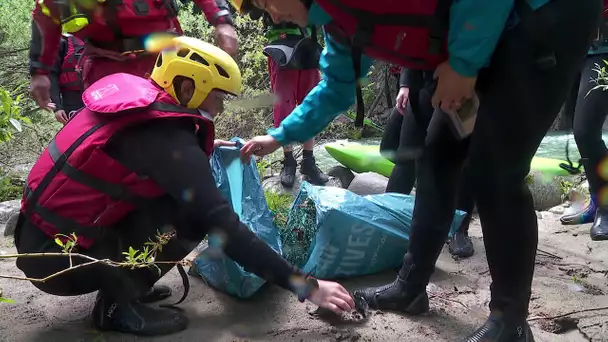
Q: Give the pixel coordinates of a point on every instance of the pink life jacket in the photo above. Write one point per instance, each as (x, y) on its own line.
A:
(71, 68)
(75, 187)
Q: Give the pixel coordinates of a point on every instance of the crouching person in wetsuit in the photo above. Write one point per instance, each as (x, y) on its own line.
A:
(132, 163)
(520, 57)
(66, 80)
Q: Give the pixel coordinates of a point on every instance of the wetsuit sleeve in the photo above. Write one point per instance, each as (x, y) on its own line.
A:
(46, 34)
(172, 157)
(54, 77)
(475, 27)
(330, 98)
(216, 11)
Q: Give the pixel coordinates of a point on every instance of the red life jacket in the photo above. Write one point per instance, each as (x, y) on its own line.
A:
(70, 77)
(410, 33)
(75, 187)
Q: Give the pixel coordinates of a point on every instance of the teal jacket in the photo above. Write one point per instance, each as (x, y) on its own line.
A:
(475, 27)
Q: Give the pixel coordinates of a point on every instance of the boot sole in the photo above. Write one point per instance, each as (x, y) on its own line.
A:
(411, 309)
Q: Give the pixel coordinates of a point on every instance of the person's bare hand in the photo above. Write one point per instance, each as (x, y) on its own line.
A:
(61, 116)
(40, 88)
(259, 146)
(332, 296)
(225, 36)
(402, 98)
(219, 142)
(453, 89)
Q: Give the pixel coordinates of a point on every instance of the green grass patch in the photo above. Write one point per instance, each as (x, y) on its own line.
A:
(279, 205)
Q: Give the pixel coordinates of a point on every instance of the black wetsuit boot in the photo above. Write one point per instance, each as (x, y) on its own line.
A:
(460, 244)
(599, 229)
(288, 173)
(309, 168)
(400, 295)
(500, 329)
(135, 318)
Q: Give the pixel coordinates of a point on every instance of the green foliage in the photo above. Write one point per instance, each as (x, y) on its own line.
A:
(279, 204)
(67, 243)
(601, 79)
(10, 115)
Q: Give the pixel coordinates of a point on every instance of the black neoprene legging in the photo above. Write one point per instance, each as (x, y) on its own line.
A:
(399, 136)
(589, 116)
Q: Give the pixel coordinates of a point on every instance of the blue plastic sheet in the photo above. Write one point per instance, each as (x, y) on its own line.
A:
(240, 184)
(358, 235)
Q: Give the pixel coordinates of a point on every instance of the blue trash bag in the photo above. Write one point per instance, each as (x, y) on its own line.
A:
(354, 235)
(240, 184)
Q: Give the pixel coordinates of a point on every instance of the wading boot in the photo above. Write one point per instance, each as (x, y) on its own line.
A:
(288, 173)
(461, 245)
(309, 168)
(398, 295)
(136, 318)
(156, 293)
(498, 330)
(586, 215)
(599, 229)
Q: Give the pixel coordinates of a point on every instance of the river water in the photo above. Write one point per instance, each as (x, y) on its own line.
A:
(552, 146)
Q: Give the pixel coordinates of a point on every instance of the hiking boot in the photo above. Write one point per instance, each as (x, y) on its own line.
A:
(599, 229)
(288, 173)
(586, 215)
(397, 295)
(461, 245)
(156, 293)
(309, 168)
(136, 318)
(497, 330)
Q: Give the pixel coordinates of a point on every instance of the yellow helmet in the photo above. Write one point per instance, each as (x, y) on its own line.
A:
(208, 66)
(246, 7)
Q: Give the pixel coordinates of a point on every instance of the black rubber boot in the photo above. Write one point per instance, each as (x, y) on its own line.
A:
(309, 168)
(497, 330)
(461, 245)
(397, 295)
(599, 229)
(288, 173)
(136, 318)
(156, 293)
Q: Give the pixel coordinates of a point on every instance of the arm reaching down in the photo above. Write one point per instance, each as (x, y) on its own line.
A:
(330, 98)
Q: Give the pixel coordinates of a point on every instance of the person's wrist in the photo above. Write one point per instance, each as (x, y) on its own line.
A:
(305, 290)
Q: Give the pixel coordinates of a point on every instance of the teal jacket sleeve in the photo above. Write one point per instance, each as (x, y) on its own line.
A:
(475, 28)
(330, 98)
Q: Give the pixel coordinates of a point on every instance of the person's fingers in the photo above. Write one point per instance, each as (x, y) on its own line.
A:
(346, 297)
(446, 106)
(435, 100)
(341, 304)
(333, 307)
(64, 116)
(248, 149)
(260, 151)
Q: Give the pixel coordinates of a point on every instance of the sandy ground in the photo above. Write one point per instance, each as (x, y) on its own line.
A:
(571, 274)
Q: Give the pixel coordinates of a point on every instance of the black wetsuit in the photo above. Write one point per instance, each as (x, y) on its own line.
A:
(167, 151)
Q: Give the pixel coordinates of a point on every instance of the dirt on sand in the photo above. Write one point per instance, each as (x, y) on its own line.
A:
(571, 274)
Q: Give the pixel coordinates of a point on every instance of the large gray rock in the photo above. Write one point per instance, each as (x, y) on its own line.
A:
(368, 183)
(273, 184)
(11, 224)
(546, 190)
(8, 209)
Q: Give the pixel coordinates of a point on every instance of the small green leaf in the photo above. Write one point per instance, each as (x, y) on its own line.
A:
(59, 242)
(6, 300)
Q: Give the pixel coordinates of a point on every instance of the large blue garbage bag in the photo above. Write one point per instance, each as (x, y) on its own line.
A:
(351, 235)
(240, 184)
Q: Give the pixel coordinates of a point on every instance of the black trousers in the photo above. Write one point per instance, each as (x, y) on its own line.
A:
(519, 100)
(121, 284)
(399, 136)
(589, 116)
